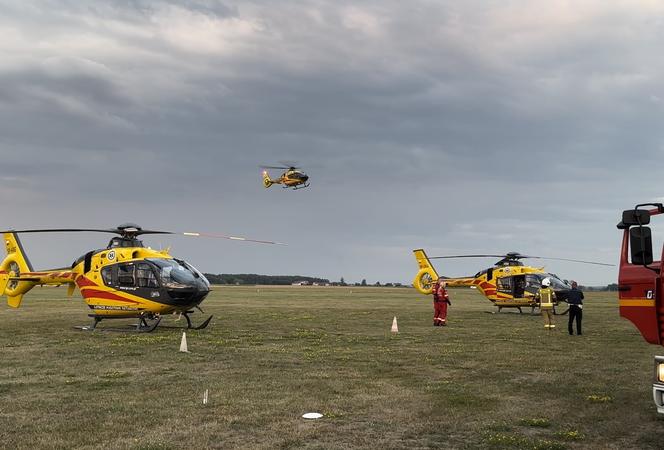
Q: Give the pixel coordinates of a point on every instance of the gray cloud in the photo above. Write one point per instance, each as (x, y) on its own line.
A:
(457, 126)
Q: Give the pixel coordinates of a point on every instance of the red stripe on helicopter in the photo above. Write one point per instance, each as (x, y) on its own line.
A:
(60, 275)
(82, 281)
(87, 293)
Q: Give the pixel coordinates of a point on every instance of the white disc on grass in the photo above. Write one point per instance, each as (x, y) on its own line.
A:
(312, 415)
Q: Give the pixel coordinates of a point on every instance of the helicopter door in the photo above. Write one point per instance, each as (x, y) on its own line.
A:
(126, 275)
(504, 285)
(140, 278)
(118, 275)
(519, 286)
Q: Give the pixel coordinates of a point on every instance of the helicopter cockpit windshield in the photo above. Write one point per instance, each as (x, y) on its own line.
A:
(178, 274)
(534, 281)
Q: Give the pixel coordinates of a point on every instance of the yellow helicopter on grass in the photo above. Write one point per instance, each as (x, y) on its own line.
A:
(293, 177)
(122, 281)
(508, 284)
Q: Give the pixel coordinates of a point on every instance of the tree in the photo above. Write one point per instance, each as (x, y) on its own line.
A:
(364, 282)
(342, 282)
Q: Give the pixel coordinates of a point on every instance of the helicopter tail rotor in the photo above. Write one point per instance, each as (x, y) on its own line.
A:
(427, 275)
(15, 263)
(267, 182)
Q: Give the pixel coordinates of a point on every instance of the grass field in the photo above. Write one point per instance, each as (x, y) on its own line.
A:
(272, 354)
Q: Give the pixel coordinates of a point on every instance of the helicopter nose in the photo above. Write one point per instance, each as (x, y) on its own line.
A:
(305, 178)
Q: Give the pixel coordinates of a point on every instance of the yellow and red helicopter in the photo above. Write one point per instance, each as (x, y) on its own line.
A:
(122, 281)
(507, 284)
(292, 177)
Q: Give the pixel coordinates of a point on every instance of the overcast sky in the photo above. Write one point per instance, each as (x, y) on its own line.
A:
(456, 126)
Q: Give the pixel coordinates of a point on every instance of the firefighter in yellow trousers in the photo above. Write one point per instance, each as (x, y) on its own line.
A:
(546, 296)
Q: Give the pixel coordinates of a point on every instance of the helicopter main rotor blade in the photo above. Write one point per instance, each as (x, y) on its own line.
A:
(63, 230)
(467, 256)
(89, 230)
(152, 232)
(571, 260)
(519, 256)
(140, 232)
(291, 164)
(224, 236)
(275, 167)
(132, 232)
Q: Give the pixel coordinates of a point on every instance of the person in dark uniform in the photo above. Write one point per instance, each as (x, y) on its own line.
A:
(575, 300)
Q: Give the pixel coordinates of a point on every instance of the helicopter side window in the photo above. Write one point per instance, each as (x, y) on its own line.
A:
(126, 275)
(145, 277)
(107, 274)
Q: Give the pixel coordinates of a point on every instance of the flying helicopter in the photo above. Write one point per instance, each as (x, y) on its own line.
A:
(292, 177)
(507, 284)
(125, 280)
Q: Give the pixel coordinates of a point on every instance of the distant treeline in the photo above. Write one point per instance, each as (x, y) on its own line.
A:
(252, 278)
(610, 287)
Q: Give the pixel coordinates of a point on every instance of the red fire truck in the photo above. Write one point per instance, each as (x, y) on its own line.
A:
(641, 286)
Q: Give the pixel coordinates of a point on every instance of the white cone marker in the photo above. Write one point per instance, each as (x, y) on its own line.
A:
(183, 343)
(395, 327)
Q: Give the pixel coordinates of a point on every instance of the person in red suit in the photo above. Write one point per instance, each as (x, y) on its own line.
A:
(441, 300)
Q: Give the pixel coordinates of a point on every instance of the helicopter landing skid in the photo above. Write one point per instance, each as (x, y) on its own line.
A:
(298, 187)
(141, 327)
(199, 327)
(190, 326)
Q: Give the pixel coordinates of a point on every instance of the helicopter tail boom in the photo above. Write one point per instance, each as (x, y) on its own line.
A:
(17, 275)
